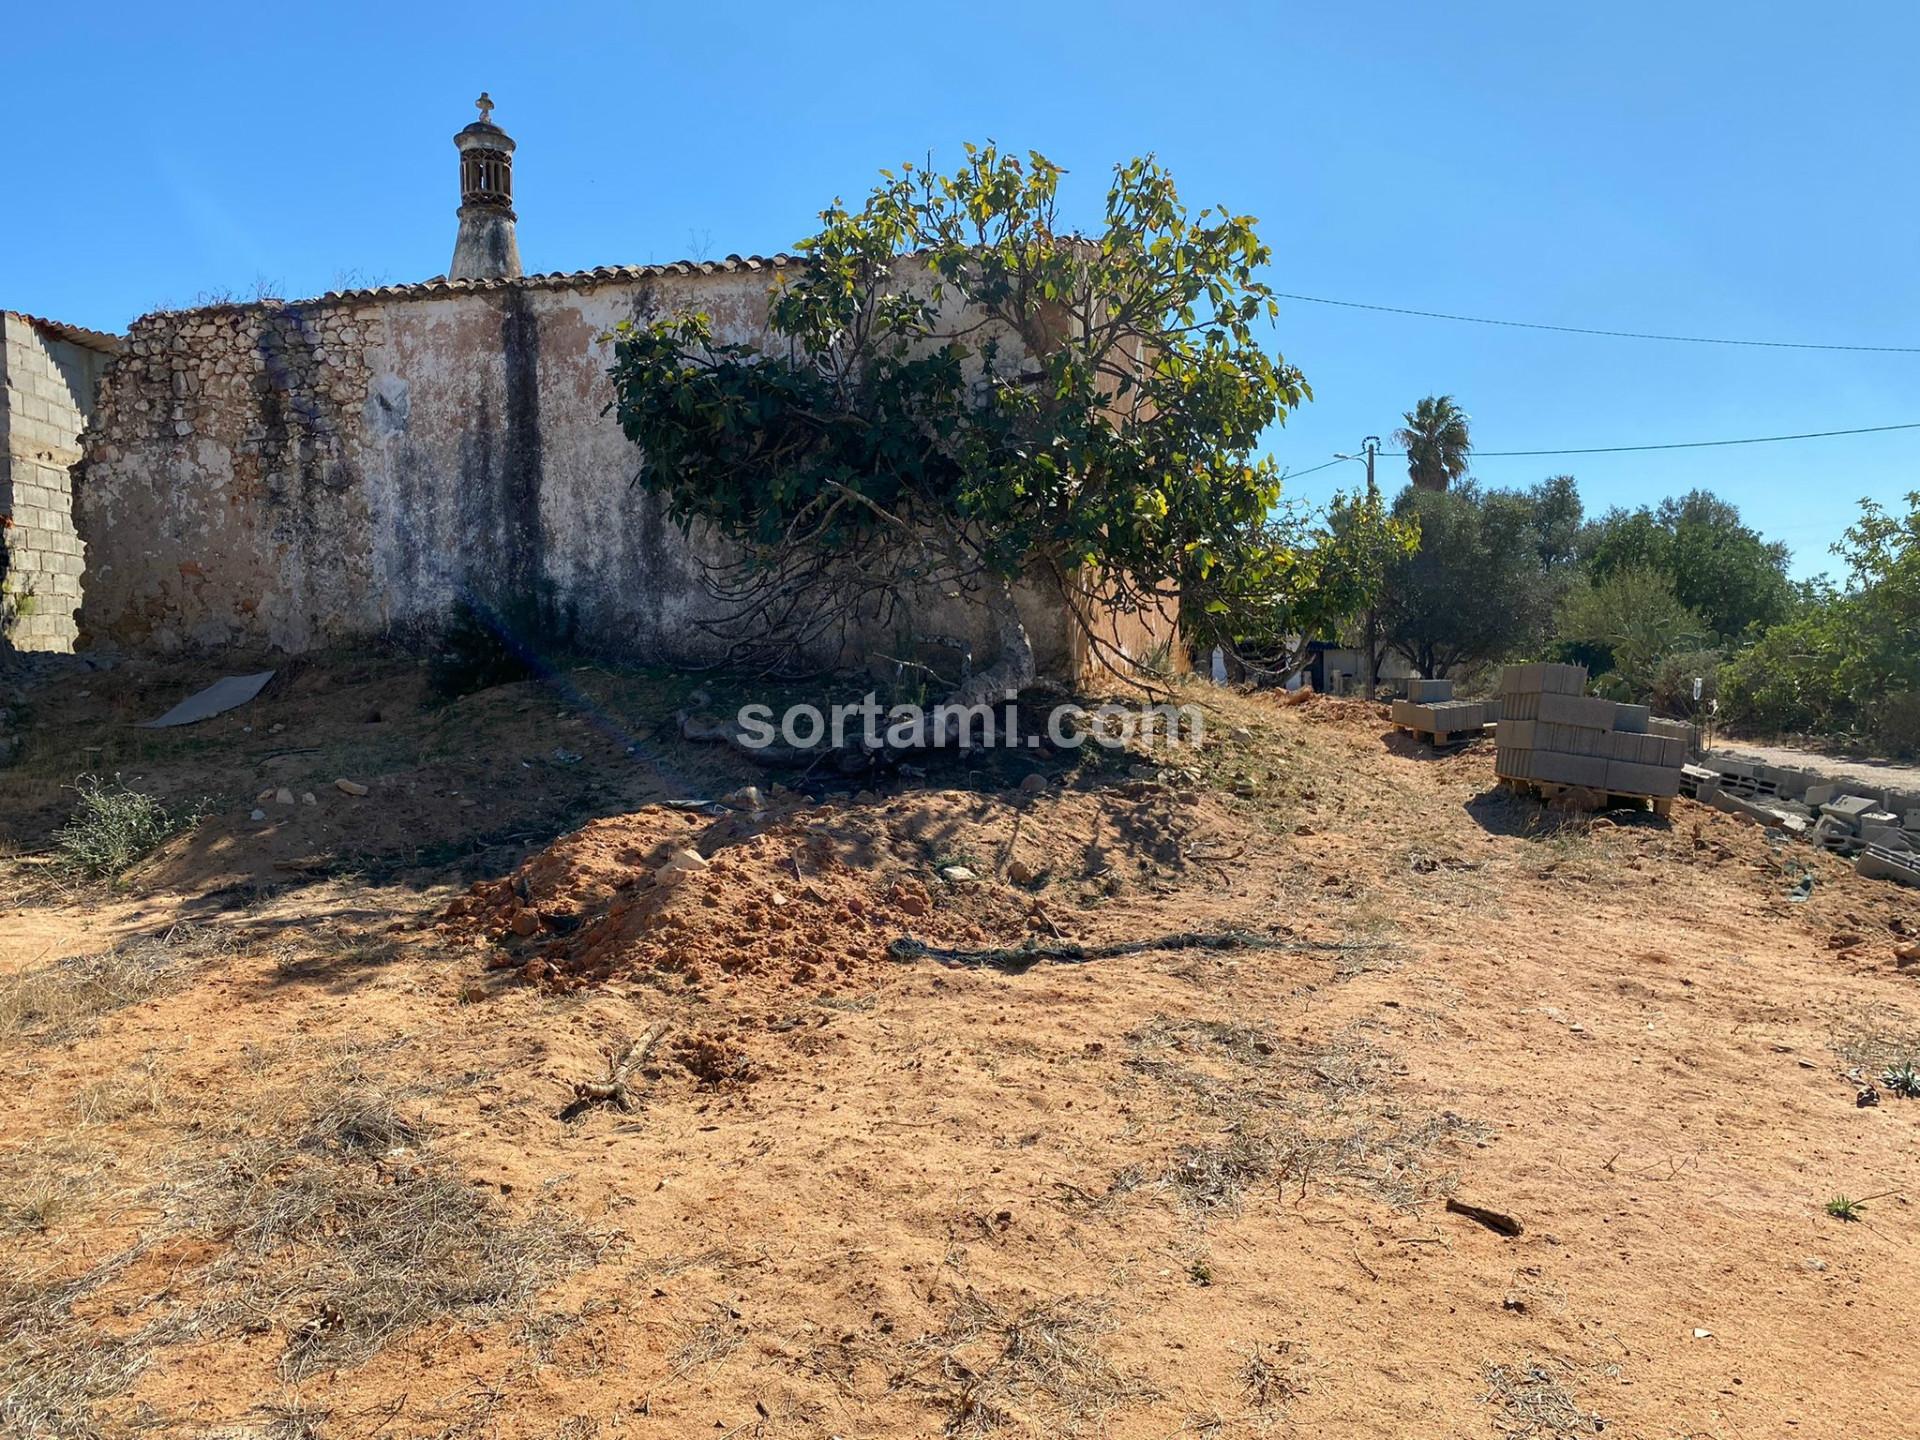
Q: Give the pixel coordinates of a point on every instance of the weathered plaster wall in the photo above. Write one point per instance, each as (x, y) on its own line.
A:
(293, 476)
(47, 386)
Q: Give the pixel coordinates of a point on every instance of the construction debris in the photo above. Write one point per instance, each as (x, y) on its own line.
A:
(1555, 739)
(1879, 831)
(229, 692)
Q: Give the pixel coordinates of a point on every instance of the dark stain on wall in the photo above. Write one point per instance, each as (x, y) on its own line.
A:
(521, 458)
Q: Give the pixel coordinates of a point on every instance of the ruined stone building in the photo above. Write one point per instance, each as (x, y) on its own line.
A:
(285, 476)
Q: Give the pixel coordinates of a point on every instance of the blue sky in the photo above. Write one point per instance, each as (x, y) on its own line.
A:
(1743, 169)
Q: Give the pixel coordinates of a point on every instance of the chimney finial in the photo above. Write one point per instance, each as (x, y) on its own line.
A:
(486, 248)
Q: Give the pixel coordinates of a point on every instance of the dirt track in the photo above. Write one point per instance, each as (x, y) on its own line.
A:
(1175, 1192)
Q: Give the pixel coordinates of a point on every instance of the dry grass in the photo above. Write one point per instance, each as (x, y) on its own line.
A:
(340, 1233)
(1040, 1366)
(55, 1002)
(347, 1233)
(54, 1372)
(1532, 1403)
(1884, 1038)
(715, 1338)
(1291, 1115)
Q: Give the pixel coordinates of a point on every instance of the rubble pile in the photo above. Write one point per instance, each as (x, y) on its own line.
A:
(1878, 830)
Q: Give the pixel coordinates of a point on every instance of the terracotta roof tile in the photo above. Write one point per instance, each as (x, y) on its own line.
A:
(561, 279)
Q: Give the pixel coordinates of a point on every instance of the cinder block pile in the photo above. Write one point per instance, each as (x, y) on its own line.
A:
(1552, 733)
(1430, 709)
(1878, 830)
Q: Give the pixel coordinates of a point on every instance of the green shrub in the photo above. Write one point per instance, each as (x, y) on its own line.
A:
(111, 828)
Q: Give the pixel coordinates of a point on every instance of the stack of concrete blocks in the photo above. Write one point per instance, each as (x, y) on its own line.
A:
(1431, 710)
(1552, 733)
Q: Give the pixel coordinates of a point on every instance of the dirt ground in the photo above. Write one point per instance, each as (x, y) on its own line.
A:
(1874, 773)
(293, 1145)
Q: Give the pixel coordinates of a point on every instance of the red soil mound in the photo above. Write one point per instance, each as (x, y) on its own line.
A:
(799, 899)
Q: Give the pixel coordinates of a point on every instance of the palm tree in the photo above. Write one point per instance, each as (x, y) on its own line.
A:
(1436, 442)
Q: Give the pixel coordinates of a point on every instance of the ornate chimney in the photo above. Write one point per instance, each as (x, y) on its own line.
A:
(486, 248)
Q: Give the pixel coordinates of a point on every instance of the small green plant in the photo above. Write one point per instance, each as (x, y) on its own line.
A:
(1200, 1273)
(1903, 1080)
(1845, 1207)
(112, 827)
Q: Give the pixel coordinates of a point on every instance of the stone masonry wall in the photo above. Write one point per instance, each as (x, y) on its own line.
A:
(290, 476)
(47, 386)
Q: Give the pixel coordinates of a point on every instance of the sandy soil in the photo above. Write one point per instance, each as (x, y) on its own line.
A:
(1183, 1190)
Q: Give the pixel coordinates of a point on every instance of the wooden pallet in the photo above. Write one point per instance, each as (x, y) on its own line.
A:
(1586, 798)
(1444, 739)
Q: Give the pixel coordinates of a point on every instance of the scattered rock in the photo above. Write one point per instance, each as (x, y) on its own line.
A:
(1905, 955)
(283, 796)
(349, 787)
(525, 923)
(679, 866)
(306, 798)
(264, 796)
(1033, 784)
(747, 797)
(1021, 873)
(1842, 940)
(1867, 1097)
(957, 875)
(258, 814)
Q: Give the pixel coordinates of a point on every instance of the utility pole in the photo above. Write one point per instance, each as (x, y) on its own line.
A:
(1371, 627)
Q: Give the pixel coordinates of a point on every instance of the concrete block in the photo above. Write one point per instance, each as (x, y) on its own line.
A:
(1887, 837)
(1415, 717)
(1519, 679)
(1563, 679)
(1632, 718)
(1520, 705)
(1818, 795)
(1626, 778)
(1515, 734)
(1558, 769)
(1849, 808)
(1584, 711)
(1426, 691)
(1513, 763)
(1878, 864)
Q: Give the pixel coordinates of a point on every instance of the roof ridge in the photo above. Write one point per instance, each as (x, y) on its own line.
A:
(100, 340)
(548, 280)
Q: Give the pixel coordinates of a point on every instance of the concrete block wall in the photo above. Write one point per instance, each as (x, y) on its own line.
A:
(47, 386)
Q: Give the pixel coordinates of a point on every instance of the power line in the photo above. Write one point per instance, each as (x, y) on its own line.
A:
(1296, 474)
(1692, 444)
(1611, 334)
(1625, 449)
